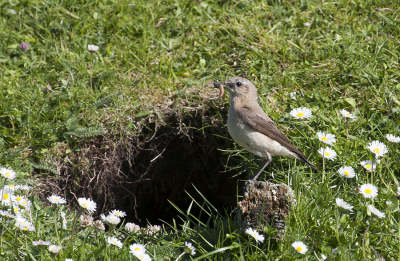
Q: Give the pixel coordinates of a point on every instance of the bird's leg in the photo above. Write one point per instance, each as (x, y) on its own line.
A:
(262, 166)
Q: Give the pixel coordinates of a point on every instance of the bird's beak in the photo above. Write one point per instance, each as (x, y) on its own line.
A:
(228, 85)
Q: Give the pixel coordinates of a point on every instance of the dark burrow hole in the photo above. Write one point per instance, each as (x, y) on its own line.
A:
(142, 174)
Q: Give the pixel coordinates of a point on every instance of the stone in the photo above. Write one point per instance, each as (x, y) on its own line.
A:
(266, 204)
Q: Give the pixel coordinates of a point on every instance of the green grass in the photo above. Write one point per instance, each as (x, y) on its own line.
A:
(347, 58)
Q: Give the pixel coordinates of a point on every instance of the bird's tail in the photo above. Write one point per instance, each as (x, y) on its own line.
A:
(310, 164)
(303, 158)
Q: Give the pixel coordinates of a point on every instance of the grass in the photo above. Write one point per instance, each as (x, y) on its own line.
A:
(58, 92)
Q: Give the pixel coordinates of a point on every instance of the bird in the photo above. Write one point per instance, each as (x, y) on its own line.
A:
(252, 128)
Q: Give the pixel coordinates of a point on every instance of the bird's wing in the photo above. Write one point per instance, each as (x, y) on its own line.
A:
(267, 127)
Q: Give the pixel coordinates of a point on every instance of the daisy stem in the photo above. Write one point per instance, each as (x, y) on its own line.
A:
(365, 234)
(79, 212)
(398, 205)
(387, 157)
(323, 165)
(55, 225)
(347, 128)
(180, 256)
(337, 215)
(91, 68)
(372, 171)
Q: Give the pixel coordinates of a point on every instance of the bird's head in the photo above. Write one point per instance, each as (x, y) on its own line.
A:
(240, 88)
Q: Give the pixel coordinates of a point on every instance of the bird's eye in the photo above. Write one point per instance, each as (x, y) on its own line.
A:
(238, 83)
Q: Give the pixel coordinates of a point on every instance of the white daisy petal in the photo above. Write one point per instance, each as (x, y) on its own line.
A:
(326, 138)
(300, 247)
(255, 235)
(343, 204)
(93, 48)
(301, 113)
(369, 190)
(378, 148)
(347, 172)
(118, 213)
(367, 164)
(114, 241)
(328, 153)
(87, 204)
(392, 138)
(54, 199)
(347, 114)
(376, 212)
(190, 249)
(7, 173)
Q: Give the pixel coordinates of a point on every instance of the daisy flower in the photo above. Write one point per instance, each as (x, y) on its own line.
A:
(152, 229)
(25, 203)
(392, 138)
(93, 48)
(111, 219)
(293, 95)
(87, 204)
(378, 148)
(11, 187)
(132, 227)
(343, 204)
(254, 233)
(41, 243)
(398, 191)
(23, 224)
(300, 247)
(54, 199)
(190, 249)
(54, 249)
(301, 113)
(326, 138)
(114, 241)
(347, 114)
(347, 172)
(144, 257)
(6, 214)
(6, 196)
(118, 213)
(137, 249)
(64, 220)
(367, 164)
(323, 256)
(328, 153)
(7, 173)
(376, 212)
(369, 190)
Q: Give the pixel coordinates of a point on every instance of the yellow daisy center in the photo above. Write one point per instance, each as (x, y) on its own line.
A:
(18, 198)
(324, 139)
(26, 228)
(376, 150)
(24, 203)
(56, 199)
(84, 205)
(11, 185)
(7, 174)
(346, 173)
(300, 114)
(299, 249)
(5, 196)
(327, 154)
(348, 114)
(368, 191)
(368, 166)
(15, 210)
(137, 249)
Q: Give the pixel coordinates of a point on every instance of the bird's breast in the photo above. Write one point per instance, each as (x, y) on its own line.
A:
(253, 140)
